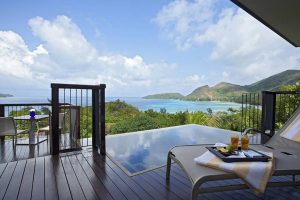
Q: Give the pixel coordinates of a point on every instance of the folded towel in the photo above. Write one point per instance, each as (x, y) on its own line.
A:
(255, 174)
(292, 132)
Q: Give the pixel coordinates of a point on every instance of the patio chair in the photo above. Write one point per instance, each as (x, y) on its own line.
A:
(286, 153)
(8, 128)
(46, 129)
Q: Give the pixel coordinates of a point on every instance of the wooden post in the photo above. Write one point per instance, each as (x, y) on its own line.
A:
(2, 111)
(2, 114)
(268, 114)
(54, 137)
(95, 118)
(102, 119)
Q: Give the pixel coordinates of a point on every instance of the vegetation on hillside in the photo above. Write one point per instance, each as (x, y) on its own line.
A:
(232, 92)
(165, 96)
(287, 104)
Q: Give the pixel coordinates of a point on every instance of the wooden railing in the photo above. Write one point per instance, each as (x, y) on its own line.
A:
(91, 101)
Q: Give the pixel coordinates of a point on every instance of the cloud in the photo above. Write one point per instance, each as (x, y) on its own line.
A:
(195, 78)
(247, 45)
(65, 55)
(181, 19)
(225, 74)
(14, 55)
(63, 39)
(243, 45)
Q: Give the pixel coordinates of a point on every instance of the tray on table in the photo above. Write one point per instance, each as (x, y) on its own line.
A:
(226, 158)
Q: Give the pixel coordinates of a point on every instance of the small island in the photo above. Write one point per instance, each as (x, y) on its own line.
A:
(5, 95)
(164, 96)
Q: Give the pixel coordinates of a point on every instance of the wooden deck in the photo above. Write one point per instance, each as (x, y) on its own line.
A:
(21, 152)
(88, 175)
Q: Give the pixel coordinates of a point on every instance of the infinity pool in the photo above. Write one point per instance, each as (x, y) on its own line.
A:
(139, 151)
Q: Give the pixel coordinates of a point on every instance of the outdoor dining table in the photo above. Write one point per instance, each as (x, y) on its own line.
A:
(33, 140)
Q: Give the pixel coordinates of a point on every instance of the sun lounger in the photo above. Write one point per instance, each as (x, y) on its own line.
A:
(286, 153)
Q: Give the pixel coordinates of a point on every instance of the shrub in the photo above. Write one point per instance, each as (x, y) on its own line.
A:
(137, 123)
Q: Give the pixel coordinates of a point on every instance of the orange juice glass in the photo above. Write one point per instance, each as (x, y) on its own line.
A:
(245, 142)
(234, 142)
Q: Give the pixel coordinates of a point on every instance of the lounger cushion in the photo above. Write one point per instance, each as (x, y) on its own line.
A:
(185, 155)
(292, 131)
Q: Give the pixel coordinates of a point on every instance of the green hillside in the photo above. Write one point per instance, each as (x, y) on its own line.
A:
(273, 83)
(165, 96)
(231, 92)
(220, 92)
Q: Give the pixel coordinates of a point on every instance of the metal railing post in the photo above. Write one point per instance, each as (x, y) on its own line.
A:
(268, 114)
(54, 137)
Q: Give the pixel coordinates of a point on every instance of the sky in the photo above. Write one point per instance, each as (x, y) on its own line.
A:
(135, 47)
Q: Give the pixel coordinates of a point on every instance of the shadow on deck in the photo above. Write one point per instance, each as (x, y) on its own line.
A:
(88, 175)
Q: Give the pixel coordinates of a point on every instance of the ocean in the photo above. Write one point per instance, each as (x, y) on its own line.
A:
(172, 106)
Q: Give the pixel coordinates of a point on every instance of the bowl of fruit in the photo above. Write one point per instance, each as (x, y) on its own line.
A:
(227, 151)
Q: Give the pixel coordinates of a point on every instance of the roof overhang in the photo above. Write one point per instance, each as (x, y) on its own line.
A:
(282, 16)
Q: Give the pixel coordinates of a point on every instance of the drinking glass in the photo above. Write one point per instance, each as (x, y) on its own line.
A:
(234, 142)
(245, 142)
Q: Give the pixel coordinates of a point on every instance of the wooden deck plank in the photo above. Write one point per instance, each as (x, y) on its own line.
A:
(38, 186)
(148, 187)
(6, 150)
(108, 183)
(21, 152)
(97, 184)
(160, 187)
(2, 150)
(14, 185)
(86, 186)
(50, 182)
(6, 177)
(22, 149)
(26, 185)
(2, 168)
(174, 175)
(175, 184)
(129, 181)
(125, 189)
(61, 180)
(96, 177)
(175, 187)
(73, 183)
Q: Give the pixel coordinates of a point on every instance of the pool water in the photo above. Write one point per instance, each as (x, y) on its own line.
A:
(139, 151)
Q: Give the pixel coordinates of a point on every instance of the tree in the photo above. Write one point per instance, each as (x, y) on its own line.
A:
(137, 123)
(209, 111)
(287, 104)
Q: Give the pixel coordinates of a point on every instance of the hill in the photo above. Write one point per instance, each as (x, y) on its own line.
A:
(5, 95)
(221, 92)
(273, 83)
(165, 96)
(231, 92)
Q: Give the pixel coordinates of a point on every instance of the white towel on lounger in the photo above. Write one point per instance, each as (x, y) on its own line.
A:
(255, 174)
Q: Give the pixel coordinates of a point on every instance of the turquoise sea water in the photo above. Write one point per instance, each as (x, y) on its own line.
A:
(170, 105)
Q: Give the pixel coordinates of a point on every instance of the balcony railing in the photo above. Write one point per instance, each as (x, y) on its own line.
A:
(268, 111)
(76, 113)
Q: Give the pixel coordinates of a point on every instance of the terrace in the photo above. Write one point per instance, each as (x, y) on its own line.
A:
(72, 162)
(77, 167)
